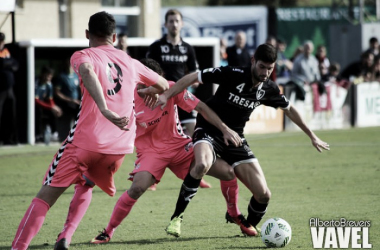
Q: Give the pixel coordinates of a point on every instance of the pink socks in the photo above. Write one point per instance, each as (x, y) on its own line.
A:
(78, 207)
(120, 211)
(31, 223)
(230, 190)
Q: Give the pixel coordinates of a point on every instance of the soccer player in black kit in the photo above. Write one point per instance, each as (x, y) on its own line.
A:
(240, 91)
(176, 58)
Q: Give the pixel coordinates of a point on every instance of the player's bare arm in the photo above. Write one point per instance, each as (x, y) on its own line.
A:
(92, 84)
(151, 93)
(293, 115)
(213, 118)
(180, 85)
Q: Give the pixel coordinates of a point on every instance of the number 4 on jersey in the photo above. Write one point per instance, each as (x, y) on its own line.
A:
(240, 87)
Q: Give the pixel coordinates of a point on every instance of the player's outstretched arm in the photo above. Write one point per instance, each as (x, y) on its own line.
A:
(180, 85)
(94, 88)
(213, 118)
(293, 115)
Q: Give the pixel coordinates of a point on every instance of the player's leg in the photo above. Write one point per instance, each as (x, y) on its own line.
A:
(204, 158)
(253, 178)
(62, 172)
(35, 215)
(180, 166)
(149, 168)
(141, 182)
(230, 190)
(78, 206)
(100, 172)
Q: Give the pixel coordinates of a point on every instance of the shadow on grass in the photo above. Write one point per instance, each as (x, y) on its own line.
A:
(146, 242)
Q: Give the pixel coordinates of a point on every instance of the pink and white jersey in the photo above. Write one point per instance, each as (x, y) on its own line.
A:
(160, 130)
(118, 74)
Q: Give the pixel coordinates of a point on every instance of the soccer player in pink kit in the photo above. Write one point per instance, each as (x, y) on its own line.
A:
(160, 130)
(95, 147)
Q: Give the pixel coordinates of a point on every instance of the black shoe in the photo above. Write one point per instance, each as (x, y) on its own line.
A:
(61, 245)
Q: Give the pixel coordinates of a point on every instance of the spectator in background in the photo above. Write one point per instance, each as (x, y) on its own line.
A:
(67, 96)
(238, 55)
(46, 111)
(283, 64)
(376, 69)
(223, 52)
(176, 58)
(323, 61)
(122, 42)
(297, 52)
(373, 46)
(8, 66)
(305, 70)
(333, 73)
(361, 70)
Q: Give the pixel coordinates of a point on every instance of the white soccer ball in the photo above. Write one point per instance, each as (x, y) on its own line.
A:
(276, 232)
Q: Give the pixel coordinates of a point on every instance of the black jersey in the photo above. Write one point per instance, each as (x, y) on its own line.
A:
(175, 60)
(236, 98)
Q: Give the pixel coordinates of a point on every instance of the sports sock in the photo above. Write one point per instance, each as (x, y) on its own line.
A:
(78, 207)
(230, 191)
(121, 210)
(256, 211)
(30, 224)
(188, 190)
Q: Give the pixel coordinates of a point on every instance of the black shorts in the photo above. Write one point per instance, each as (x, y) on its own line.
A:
(231, 154)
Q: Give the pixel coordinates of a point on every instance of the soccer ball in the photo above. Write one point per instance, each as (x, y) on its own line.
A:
(276, 232)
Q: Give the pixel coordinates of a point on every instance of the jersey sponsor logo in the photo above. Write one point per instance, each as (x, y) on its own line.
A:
(243, 102)
(174, 58)
(151, 123)
(118, 80)
(188, 96)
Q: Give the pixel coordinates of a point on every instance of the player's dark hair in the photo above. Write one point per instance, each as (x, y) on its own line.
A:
(266, 53)
(102, 24)
(373, 40)
(153, 65)
(2, 36)
(172, 12)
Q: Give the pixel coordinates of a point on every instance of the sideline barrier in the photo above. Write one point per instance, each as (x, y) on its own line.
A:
(367, 104)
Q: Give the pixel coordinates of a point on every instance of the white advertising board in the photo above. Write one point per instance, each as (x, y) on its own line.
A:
(368, 104)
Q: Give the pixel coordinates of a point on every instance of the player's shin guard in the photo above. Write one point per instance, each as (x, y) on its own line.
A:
(188, 190)
(78, 207)
(30, 224)
(122, 208)
(230, 190)
(256, 212)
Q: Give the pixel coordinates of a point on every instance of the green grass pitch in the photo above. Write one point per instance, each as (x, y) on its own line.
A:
(341, 183)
